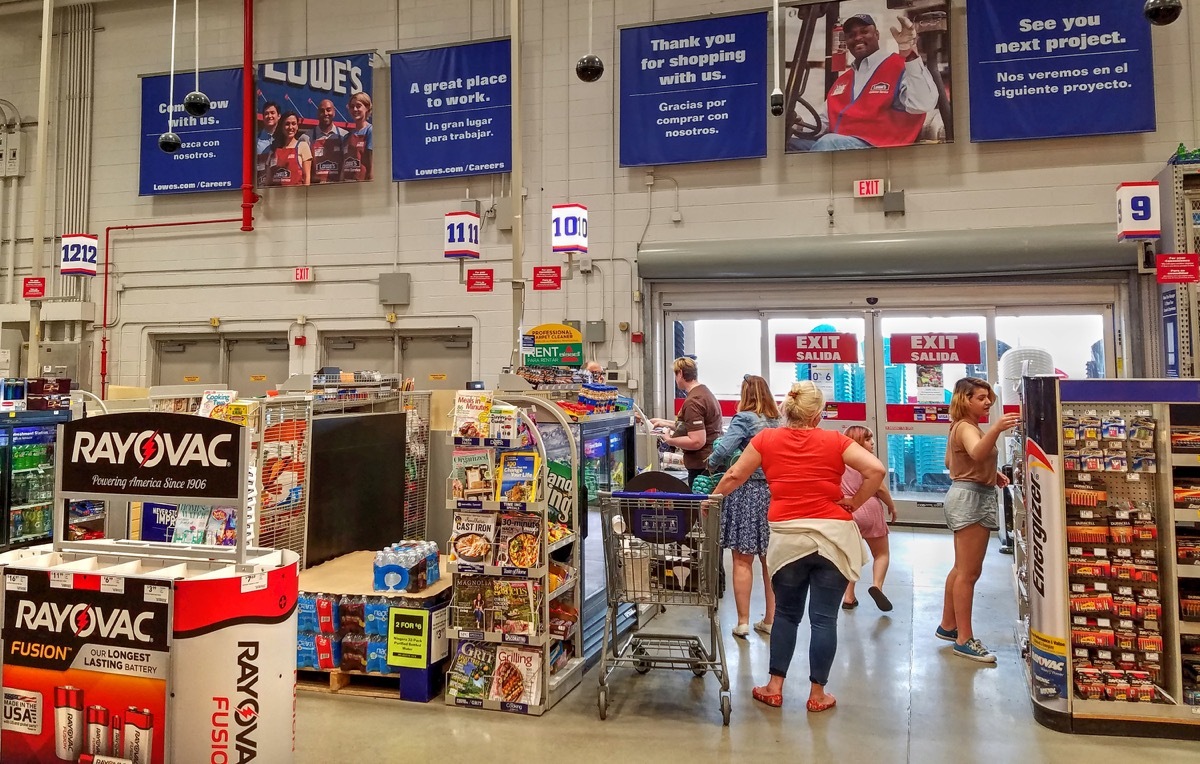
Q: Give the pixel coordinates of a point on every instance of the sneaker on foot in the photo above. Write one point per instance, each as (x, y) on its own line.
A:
(741, 630)
(762, 627)
(974, 650)
(950, 635)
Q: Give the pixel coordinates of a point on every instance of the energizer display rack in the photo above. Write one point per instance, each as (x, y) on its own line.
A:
(1108, 583)
(141, 651)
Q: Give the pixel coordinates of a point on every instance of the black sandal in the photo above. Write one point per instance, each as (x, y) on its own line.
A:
(849, 605)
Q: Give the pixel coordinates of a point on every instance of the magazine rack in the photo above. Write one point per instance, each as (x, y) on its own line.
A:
(551, 687)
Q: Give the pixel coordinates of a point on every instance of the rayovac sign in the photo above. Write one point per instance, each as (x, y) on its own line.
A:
(936, 348)
(139, 454)
(816, 347)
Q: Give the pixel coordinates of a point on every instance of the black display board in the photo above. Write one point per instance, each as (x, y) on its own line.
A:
(357, 480)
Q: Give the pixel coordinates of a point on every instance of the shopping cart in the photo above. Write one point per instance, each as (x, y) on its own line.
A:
(662, 549)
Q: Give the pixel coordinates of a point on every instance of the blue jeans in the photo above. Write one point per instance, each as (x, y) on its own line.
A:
(828, 142)
(793, 584)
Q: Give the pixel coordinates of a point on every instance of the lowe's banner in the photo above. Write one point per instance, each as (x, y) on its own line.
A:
(694, 91)
(452, 111)
(210, 158)
(314, 121)
(1068, 68)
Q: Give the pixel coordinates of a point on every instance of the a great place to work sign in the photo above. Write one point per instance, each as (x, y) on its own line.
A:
(452, 111)
(694, 91)
(210, 158)
(1067, 68)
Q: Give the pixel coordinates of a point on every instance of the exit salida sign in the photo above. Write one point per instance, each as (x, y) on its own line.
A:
(867, 188)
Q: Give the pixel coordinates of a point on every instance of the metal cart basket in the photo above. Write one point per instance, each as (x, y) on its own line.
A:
(662, 549)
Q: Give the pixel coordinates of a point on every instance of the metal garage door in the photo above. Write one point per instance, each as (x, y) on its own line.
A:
(256, 364)
(179, 361)
(437, 363)
(360, 352)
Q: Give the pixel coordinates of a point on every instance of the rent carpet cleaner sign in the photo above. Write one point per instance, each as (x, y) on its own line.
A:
(152, 454)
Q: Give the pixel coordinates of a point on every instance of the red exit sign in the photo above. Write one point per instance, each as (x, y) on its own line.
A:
(303, 274)
(868, 188)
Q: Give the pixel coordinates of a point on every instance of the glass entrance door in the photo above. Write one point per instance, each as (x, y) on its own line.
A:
(893, 371)
(921, 357)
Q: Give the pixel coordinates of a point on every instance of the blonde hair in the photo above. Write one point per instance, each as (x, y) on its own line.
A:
(364, 98)
(963, 390)
(859, 434)
(756, 397)
(687, 367)
(804, 404)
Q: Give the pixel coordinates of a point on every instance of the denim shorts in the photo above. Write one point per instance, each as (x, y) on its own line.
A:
(968, 503)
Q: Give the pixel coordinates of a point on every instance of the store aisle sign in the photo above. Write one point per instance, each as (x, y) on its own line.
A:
(1170, 322)
(694, 91)
(153, 454)
(816, 347)
(1138, 214)
(1068, 68)
(460, 235)
(78, 254)
(452, 111)
(547, 278)
(210, 158)
(33, 287)
(329, 103)
(1178, 269)
(936, 348)
(552, 345)
(569, 229)
(480, 279)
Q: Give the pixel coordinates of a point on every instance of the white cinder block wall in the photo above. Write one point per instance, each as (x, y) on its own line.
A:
(177, 279)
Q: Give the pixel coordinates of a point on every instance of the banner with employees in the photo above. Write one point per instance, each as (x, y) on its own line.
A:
(314, 121)
(694, 91)
(864, 74)
(452, 111)
(1049, 70)
(210, 158)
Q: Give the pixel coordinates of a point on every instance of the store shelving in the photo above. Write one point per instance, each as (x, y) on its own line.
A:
(553, 685)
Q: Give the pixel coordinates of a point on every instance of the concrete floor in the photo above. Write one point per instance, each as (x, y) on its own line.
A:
(901, 698)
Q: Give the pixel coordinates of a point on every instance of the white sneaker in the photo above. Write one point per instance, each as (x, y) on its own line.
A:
(742, 630)
(762, 627)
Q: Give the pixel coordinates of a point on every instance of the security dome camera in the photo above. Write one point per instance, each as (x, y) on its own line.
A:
(590, 68)
(1162, 12)
(777, 103)
(196, 103)
(169, 142)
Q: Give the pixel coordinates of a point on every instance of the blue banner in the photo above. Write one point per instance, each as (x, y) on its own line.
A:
(210, 158)
(314, 121)
(452, 111)
(694, 91)
(1069, 68)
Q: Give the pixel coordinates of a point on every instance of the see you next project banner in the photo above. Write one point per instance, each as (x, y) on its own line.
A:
(694, 91)
(452, 111)
(210, 157)
(1067, 68)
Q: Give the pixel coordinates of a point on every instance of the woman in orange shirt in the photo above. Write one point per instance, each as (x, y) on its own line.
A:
(815, 546)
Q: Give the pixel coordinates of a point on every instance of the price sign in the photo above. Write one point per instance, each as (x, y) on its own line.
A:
(461, 235)
(1138, 211)
(569, 229)
(78, 254)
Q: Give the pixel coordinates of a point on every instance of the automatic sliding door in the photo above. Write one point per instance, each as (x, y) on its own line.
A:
(830, 351)
(922, 357)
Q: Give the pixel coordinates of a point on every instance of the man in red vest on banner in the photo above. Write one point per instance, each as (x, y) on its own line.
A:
(882, 99)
